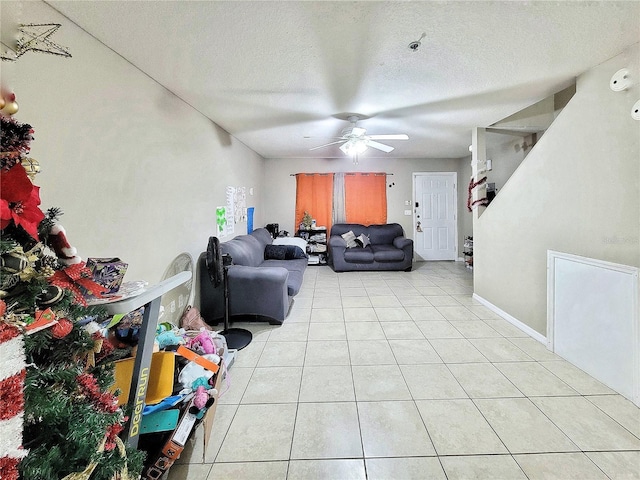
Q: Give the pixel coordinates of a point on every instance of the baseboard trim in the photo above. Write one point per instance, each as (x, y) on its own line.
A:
(512, 320)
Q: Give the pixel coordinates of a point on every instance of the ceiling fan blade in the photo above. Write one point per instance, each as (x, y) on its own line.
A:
(357, 131)
(327, 144)
(307, 136)
(380, 146)
(400, 136)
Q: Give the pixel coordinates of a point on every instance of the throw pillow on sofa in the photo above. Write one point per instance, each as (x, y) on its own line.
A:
(350, 238)
(293, 251)
(283, 252)
(363, 240)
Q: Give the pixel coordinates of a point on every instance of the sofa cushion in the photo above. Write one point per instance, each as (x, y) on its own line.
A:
(244, 250)
(350, 239)
(387, 253)
(340, 228)
(298, 265)
(263, 236)
(384, 234)
(359, 255)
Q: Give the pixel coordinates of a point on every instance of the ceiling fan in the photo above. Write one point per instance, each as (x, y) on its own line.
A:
(354, 139)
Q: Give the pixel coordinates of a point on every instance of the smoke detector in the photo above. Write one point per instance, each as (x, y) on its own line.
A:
(415, 45)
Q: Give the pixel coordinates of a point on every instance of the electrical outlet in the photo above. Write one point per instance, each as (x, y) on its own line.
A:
(407, 212)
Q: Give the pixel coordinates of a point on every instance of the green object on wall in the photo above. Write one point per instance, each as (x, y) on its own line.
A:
(221, 218)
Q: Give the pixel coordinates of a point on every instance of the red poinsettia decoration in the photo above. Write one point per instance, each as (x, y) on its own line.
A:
(19, 200)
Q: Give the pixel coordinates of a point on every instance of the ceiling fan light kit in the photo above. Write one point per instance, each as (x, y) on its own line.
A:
(353, 147)
(355, 141)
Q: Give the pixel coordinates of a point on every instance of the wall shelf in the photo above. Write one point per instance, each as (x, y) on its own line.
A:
(316, 238)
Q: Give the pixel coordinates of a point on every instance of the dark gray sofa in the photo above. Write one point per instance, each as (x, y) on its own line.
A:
(389, 249)
(258, 288)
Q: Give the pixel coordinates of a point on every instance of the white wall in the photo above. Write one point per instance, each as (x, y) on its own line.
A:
(137, 172)
(500, 149)
(280, 188)
(504, 157)
(577, 191)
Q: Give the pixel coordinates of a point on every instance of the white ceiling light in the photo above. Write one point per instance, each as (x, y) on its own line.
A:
(354, 146)
(355, 141)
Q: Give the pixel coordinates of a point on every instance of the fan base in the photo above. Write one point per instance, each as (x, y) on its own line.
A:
(237, 338)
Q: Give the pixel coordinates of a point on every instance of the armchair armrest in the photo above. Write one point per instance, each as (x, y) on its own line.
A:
(336, 249)
(337, 241)
(402, 242)
(242, 273)
(259, 291)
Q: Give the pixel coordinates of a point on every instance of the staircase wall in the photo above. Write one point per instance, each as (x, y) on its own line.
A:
(577, 191)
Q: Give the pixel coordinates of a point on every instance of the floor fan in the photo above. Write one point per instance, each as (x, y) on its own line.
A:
(218, 268)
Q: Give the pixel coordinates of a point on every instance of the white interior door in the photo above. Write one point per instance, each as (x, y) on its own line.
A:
(435, 215)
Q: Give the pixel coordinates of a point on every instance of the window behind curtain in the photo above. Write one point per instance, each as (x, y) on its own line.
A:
(314, 194)
(366, 198)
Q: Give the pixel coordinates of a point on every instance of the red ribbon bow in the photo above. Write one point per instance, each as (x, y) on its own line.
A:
(75, 276)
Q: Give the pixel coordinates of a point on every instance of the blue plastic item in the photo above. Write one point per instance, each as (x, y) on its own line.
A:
(163, 421)
(163, 405)
(250, 219)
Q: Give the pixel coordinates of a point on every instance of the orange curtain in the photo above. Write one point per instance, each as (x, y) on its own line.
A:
(365, 198)
(314, 194)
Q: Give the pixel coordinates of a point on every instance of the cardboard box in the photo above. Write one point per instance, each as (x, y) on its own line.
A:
(175, 444)
(207, 422)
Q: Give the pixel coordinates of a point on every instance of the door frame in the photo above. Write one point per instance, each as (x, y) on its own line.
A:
(455, 211)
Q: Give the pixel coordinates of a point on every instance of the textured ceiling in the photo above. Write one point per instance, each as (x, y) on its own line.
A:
(274, 72)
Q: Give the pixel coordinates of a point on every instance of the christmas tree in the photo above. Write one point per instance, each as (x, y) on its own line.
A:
(55, 400)
(307, 221)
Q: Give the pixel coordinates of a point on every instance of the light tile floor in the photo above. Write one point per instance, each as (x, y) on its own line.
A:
(400, 376)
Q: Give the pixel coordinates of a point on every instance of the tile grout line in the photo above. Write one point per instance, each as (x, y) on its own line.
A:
(415, 324)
